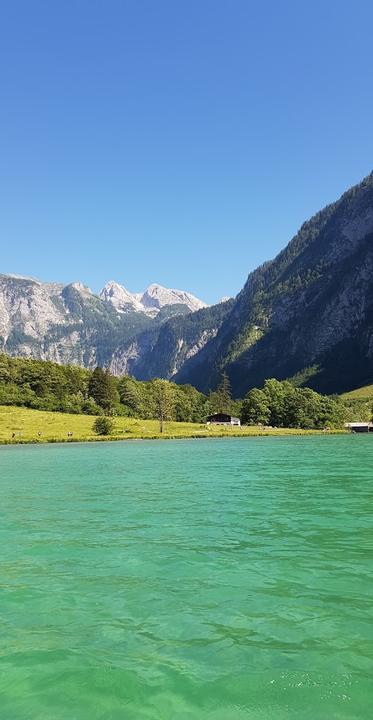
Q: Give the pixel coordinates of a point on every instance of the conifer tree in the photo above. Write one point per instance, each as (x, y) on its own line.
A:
(221, 399)
(102, 389)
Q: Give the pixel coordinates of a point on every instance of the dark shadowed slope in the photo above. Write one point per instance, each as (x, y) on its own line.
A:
(308, 313)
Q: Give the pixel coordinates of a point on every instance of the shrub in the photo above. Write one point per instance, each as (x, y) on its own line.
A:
(103, 426)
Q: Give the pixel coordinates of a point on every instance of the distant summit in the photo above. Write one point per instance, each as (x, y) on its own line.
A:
(69, 324)
(151, 301)
(306, 316)
(121, 299)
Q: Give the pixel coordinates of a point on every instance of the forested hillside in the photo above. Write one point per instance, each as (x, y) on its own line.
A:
(306, 315)
(162, 350)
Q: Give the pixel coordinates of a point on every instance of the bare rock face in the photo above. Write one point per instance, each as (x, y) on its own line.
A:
(162, 350)
(27, 307)
(158, 297)
(121, 299)
(127, 357)
(45, 320)
(151, 301)
(69, 324)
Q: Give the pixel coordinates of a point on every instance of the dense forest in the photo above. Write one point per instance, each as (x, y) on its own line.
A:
(44, 385)
(280, 404)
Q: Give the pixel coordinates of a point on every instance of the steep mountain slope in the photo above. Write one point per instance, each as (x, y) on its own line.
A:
(69, 324)
(65, 324)
(308, 313)
(162, 350)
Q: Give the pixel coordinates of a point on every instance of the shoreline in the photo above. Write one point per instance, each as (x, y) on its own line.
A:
(25, 426)
(280, 432)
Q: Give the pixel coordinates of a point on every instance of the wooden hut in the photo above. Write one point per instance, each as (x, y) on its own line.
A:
(360, 427)
(223, 419)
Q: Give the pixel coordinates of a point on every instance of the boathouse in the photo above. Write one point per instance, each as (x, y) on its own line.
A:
(223, 419)
(360, 427)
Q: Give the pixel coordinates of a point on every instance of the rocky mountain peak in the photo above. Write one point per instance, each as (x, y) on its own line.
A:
(157, 296)
(70, 324)
(120, 297)
(151, 301)
(81, 288)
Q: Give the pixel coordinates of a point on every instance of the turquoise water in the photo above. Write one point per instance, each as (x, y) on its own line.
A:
(187, 580)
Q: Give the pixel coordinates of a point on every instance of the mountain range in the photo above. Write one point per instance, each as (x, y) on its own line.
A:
(151, 301)
(70, 324)
(307, 315)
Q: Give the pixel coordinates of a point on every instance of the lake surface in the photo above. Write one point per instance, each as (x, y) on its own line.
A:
(187, 580)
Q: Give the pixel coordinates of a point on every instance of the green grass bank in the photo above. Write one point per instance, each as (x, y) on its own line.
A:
(22, 425)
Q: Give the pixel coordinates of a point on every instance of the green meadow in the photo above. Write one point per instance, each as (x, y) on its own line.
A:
(23, 425)
(362, 393)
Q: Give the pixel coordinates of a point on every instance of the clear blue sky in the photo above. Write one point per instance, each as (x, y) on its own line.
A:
(176, 141)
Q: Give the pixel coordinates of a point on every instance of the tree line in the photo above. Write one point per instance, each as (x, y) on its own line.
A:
(280, 404)
(45, 385)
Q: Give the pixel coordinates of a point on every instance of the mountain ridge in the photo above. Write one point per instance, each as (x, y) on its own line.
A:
(306, 315)
(71, 324)
(295, 310)
(153, 299)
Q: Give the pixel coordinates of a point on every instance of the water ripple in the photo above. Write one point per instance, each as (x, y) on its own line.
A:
(220, 580)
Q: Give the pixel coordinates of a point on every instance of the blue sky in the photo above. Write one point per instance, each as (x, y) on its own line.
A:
(176, 141)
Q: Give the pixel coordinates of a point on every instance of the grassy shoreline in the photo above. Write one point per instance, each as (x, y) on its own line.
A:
(20, 426)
